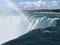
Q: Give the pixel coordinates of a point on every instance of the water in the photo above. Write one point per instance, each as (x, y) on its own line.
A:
(42, 22)
(45, 30)
(13, 26)
(43, 19)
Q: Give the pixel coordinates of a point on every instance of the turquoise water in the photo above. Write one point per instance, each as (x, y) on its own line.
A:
(43, 20)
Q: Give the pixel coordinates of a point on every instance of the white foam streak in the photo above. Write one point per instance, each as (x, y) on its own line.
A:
(42, 22)
(36, 23)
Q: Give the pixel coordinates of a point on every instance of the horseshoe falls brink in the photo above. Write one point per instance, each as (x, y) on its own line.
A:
(15, 25)
(42, 19)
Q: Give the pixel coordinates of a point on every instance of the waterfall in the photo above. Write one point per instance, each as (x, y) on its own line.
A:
(42, 22)
(11, 27)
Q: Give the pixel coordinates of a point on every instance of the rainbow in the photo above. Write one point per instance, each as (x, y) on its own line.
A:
(21, 12)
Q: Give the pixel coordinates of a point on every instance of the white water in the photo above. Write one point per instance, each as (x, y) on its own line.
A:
(42, 22)
(11, 27)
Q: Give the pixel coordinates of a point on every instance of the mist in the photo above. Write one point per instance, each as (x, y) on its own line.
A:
(12, 27)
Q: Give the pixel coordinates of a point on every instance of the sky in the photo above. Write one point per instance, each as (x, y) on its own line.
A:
(6, 8)
(38, 4)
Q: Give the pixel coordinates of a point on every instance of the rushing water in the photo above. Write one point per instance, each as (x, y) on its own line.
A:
(14, 26)
(11, 27)
(43, 20)
(45, 31)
